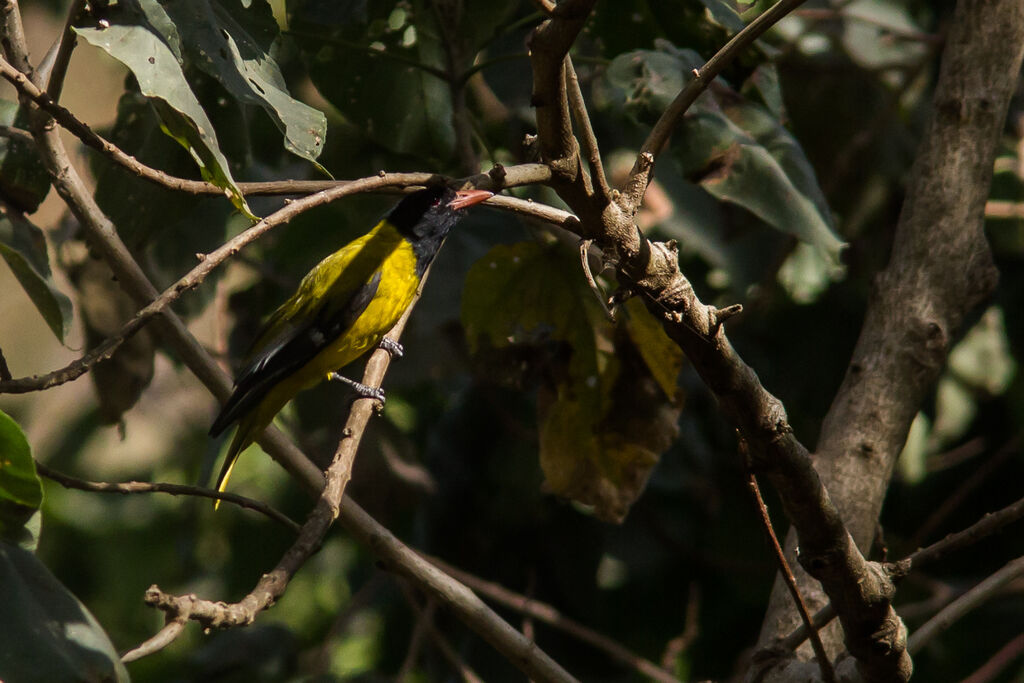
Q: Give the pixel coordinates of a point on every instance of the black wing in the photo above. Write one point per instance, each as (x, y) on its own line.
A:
(286, 355)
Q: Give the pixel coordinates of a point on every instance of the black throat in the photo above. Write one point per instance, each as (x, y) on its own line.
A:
(424, 219)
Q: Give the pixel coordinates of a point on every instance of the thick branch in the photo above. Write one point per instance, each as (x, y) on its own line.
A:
(940, 269)
(859, 590)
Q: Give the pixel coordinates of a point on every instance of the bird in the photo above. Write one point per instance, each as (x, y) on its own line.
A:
(342, 309)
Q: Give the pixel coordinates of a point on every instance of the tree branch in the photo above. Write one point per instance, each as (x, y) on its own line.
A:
(643, 168)
(860, 590)
(824, 664)
(940, 268)
(130, 487)
(103, 235)
(965, 604)
(579, 113)
(552, 617)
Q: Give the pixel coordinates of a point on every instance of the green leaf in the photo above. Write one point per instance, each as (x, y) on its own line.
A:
(735, 149)
(723, 14)
(610, 402)
(163, 231)
(599, 469)
(528, 293)
(663, 356)
(873, 31)
(21, 492)
(806, 273)
(233, 44)
(353, 48)
(47, 634)
(24, 179)
(982, 359)
(160, 77)
(23, 247)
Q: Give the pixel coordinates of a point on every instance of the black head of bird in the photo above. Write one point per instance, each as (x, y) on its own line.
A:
(425, 217)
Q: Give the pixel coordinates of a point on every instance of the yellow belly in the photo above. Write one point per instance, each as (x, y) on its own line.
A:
(398, 284)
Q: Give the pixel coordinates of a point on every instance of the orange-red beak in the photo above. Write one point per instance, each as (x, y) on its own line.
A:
(467, 198)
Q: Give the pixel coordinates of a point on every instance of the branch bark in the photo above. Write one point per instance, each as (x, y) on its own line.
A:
(940, 269)
(860, 591)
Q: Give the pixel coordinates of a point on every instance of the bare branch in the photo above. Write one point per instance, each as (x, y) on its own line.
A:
(164, 637)
(998, 662)
(103, 235)
(130, 487)
(940, 268)
(640, 176)
(552, 617)
(965, 604)
(208, 262)
(425, 624)
(549, 45)
(54, 66)
(579, 113)
(824, 664)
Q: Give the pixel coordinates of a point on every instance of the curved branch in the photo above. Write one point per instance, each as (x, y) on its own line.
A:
(522, 174)
(965, 604)
(130, 487)
(643, 167)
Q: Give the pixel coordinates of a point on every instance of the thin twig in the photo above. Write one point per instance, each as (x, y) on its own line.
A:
(691, 629)
(58, 58)
(547, 614)
(998, 662)
(965, 604)
(389, 550)
(192, 279)
(594, 287)
(641, 174)
(828, 674)
(131, 487)
(19, 134)
(164, 637)
(272, 585)
(208, 262)
(978, 476)
(988, 525)
(5, 372)
(424, 615)
(425, 621)
(578, 107)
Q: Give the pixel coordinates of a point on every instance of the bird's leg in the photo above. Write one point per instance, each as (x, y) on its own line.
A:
(363, 390)
(391, 346)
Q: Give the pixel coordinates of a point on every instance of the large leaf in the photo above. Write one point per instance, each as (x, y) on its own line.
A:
(21, 492)
(23, 247)
(24, 179)
(47, 634)
(879, 33)
(737, 150)
(529, 293)
(234, 44)
(162, 230)
(372, 60)
(609, 400)
(159, 75)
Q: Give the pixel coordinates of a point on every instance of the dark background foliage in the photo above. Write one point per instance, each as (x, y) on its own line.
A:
(451, 466)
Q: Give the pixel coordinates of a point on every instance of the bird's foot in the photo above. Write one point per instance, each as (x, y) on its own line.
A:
(361, 389)
(393, 347)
